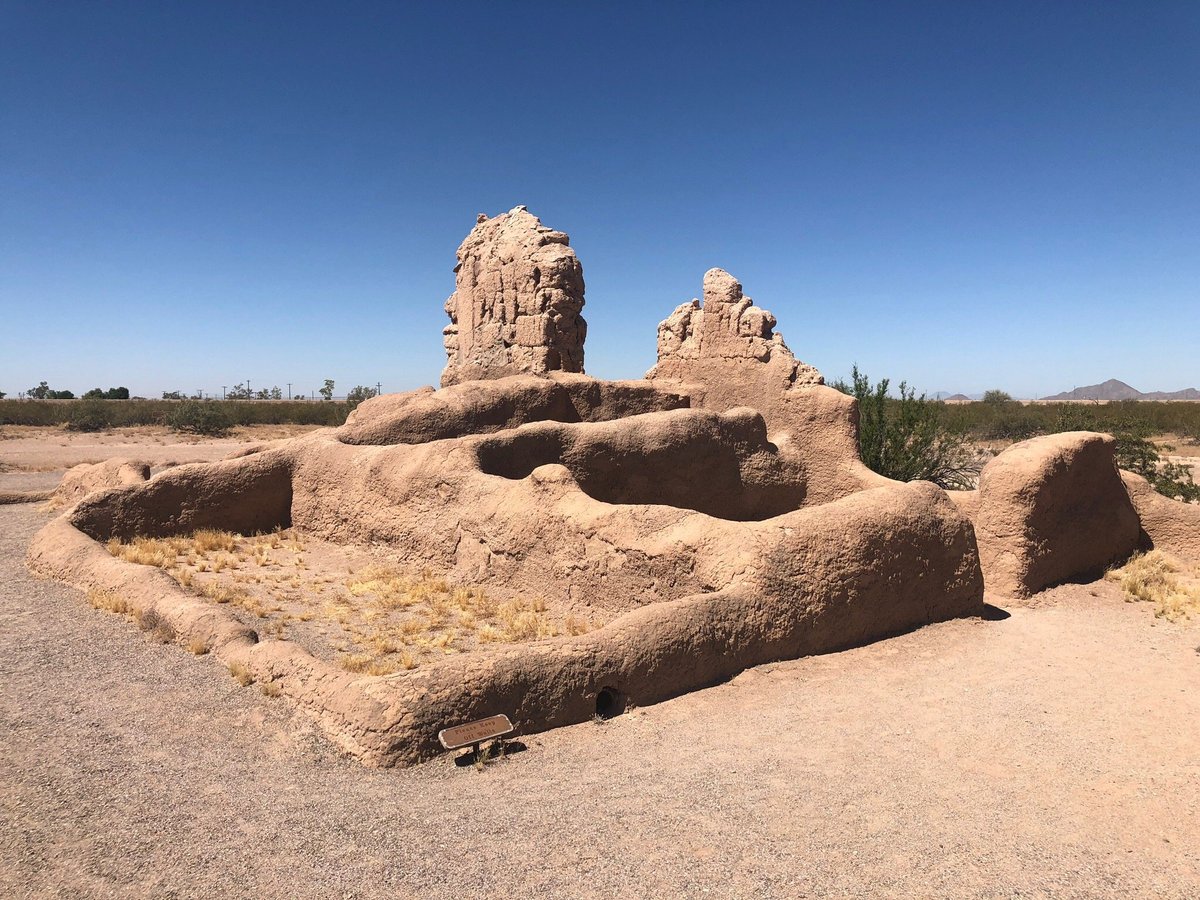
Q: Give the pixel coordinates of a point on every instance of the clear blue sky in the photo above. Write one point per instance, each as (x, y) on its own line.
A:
(964, 194)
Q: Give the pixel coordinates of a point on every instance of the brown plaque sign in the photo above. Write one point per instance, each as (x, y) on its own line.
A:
(474, 732)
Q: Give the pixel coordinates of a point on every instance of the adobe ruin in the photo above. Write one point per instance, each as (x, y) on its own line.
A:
(516, 304)
(713, 516)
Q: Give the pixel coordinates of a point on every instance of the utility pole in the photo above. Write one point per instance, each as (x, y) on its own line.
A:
(289, 390)
(378, 388)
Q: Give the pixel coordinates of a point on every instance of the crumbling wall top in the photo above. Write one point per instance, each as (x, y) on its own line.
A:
(706, 342)
(517, 301)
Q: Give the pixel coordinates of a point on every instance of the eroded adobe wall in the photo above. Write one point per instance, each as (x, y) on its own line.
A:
(516, 303)
(725, 353)
(810, 581)
(727, 338)
(718, 464)
(87, 478)
(482, 407)
(249, 494)
(1166, 524)
(606, 513)
(1050, 510)
(869, 566)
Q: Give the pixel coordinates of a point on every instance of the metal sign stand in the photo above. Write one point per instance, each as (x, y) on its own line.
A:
(474, 734)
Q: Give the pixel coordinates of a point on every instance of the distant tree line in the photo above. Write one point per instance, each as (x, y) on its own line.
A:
(240, 391)
(44, 392)
(117, 393)
(192, 414)
(94, 414)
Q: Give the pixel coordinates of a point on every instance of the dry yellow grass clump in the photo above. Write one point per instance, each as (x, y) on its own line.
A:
(109, 601)
(207, 551)
(368, 664)
(398, 616)
(389, 621)
(147, 619)
(241, 674)
(1159, 578)
(165, 552)
(443, 605)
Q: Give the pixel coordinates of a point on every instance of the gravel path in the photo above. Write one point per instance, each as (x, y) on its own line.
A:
(1054, 753)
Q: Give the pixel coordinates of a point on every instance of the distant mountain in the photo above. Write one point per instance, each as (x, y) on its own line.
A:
(1112, 390)
(1109, 390)
(947, 397)
(1185, 394)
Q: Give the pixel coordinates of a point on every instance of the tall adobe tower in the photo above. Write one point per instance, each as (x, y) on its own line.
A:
(517, 301)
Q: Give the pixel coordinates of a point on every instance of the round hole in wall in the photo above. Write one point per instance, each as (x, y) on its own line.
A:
(609, 703)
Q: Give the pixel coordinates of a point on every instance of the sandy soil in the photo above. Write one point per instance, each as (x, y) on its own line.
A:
(1180, 446)
(1050, 753)
(1182, 451)
(29, 448)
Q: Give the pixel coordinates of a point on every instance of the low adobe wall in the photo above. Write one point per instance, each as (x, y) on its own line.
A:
(248, 494)
(87, 478)
(1166, 524)
(868, 566)
(1051, 510)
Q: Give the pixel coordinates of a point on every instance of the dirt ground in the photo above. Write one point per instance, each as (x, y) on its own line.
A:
(30, 448)
(1049, 751)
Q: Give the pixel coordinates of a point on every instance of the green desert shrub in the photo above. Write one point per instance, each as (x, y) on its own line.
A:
(1008, 422)
(997, 397)
(905, 438)
(199, 417)
(88, 415)
(1175, 480)
(359, 394)
(1137, 453)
